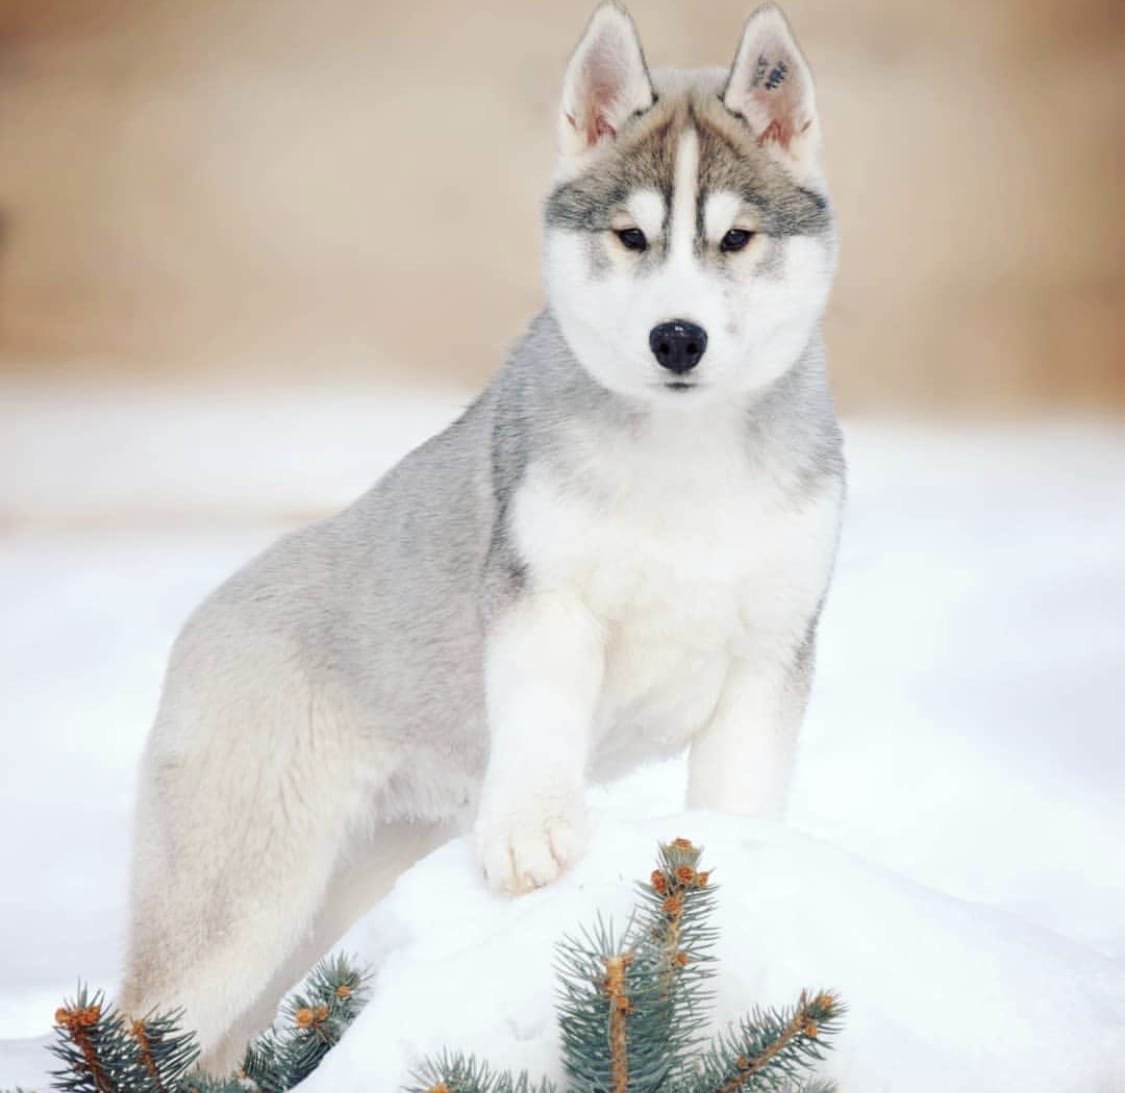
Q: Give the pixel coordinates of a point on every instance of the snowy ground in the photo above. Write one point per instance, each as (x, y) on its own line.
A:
(965, 737)
(942, 996)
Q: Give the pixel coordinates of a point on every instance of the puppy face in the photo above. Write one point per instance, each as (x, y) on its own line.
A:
(689, 241)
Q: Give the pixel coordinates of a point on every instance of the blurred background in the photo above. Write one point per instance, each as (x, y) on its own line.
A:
(252, 251)
(280, 191)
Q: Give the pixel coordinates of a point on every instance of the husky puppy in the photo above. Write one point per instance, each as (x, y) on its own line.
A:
(618, 551)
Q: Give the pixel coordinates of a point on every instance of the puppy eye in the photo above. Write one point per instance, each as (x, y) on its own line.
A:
(633, 239)
(735, 239)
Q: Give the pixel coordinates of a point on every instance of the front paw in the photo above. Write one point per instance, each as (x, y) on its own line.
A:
(528, 845)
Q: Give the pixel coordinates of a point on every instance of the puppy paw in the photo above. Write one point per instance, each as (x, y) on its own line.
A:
(527, 847)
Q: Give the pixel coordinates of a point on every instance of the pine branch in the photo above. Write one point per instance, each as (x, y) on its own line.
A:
(313, 1021)
(205, 1083)
(103, 1054)
(675, 911)
(632, 1011)
(615, 1013)
(166, 1052)
(460, 1074)
(771, 1050)
(620, 1009)
(644, 998)
(85, 1044)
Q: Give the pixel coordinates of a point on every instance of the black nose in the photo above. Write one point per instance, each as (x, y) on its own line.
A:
(678, 345)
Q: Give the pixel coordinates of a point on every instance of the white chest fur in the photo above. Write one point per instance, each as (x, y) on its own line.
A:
(687, 553)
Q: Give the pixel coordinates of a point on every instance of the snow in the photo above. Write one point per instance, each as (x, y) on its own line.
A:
(942, 996)
(953, 863)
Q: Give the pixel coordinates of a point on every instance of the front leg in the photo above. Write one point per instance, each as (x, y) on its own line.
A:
(544, 660)
(742, 760)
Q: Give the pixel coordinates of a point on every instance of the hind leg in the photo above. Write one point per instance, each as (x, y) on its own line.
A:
(250, 786)
(212, 922)
(373, 862)
(363, 874)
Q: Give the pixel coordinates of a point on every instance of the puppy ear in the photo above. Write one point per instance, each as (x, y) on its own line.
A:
(770, 85)
(606, 82)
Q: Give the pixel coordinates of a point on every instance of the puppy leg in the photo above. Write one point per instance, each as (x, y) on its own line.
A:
(742, 760)
(363, 875)
(376, 857)
(543, 669)
(245, 807)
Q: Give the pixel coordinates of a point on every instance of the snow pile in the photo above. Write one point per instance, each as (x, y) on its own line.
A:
(942, 995)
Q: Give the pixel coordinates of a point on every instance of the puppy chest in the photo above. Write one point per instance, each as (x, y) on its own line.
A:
(682, 582)
(686, 566)
(663, 675)
(675, 609)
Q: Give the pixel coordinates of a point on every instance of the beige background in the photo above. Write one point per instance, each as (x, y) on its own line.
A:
(347, 190)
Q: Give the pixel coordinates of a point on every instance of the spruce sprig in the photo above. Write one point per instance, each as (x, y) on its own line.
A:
(772, 1049)
(615, 1012)
(645, 994)
(207, 1083)
(166, 1051)
(102, 1052)
(632, 1010)
(313, 1020)
(631, 1015)
(461, 1074)
(676, 905)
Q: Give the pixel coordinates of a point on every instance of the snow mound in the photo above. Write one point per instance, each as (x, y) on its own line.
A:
(942, 994)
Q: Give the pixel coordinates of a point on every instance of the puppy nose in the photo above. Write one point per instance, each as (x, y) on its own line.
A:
(678, 345)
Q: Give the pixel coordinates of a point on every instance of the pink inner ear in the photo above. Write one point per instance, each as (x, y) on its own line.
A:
(602, 97)
(782, 131)
(774, 132)
(595, 126)
(601, 92)
(602, 128)
(776, 89)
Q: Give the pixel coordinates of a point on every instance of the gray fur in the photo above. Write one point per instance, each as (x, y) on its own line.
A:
(323, 721)
(388, 602)
(730, 159)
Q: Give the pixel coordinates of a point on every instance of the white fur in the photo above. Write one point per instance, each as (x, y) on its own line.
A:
(724, 210)
(294, 855)
(683, 582)
(665, 566)
(543, 674)
(322, 722)
(646, 209)
(756, 327)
